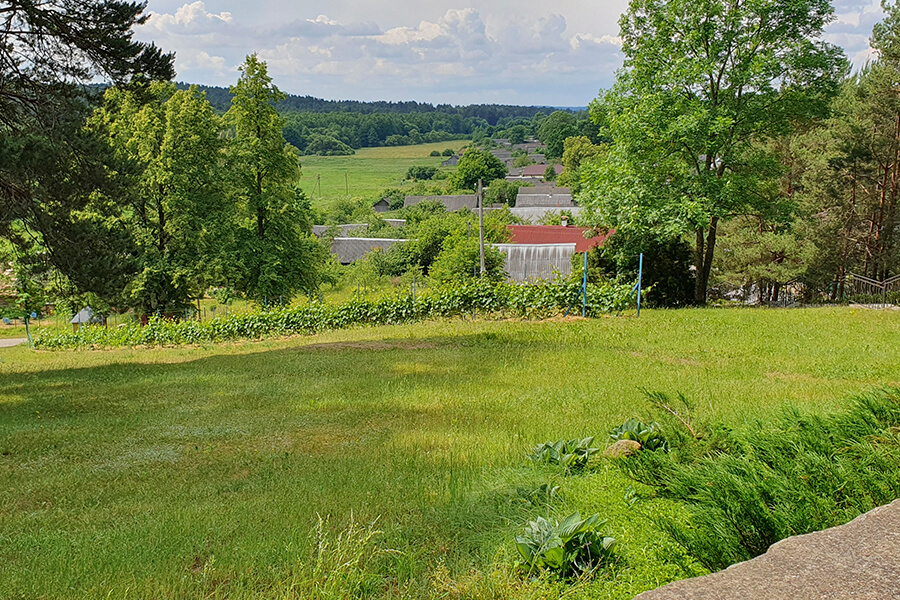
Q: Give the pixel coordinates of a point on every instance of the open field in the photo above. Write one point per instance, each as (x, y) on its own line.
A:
(367, 173)
(203, 472)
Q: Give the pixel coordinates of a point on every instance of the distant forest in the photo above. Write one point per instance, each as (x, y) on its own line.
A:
(335, 127)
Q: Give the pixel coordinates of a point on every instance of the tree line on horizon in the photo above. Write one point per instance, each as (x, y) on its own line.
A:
(338, 127)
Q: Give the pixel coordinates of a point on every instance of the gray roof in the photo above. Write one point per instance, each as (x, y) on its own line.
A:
(451, 203)
(526, 262)
(343, 230)
(561, 197)
(529, 146)
(453, 160)
(533, 214)
(349, 250)
(395, 222)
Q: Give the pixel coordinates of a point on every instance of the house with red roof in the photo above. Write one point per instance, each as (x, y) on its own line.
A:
(555, 234)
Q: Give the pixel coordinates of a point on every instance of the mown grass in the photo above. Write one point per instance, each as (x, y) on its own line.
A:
(204, 472)
(367, 173)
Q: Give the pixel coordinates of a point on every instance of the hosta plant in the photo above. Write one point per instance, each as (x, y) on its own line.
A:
(571, 454)
(565, 549)
(542, 495)
(648, 436)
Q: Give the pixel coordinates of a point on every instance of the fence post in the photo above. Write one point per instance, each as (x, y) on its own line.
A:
(640, 274)
(584, 287)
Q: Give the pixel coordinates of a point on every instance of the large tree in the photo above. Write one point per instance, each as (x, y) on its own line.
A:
(274, 256)
(55, 178)
(555, 129)
(474, 165)
(170, 146)
(705, 83)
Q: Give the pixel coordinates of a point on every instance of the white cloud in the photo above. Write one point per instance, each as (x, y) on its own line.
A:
(405, 35)
(522, 52)
(202, 61)
(190, 18)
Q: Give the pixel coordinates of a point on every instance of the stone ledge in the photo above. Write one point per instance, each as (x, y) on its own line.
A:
(859, 561)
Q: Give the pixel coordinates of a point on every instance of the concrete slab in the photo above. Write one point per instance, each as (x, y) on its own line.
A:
(859, 560)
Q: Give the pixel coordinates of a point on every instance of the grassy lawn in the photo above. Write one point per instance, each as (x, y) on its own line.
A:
(367, 173)
(255, 470)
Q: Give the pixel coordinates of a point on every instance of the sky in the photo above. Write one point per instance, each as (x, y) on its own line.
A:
(528, 52)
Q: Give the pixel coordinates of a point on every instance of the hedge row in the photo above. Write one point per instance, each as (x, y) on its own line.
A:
(488, 298)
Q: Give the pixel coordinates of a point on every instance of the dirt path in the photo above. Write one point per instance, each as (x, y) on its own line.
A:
(10, 342)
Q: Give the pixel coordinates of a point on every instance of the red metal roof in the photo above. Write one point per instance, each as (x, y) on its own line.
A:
(555, 234)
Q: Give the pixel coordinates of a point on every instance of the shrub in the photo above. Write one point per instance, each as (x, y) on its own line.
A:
(485, 296)
(648, 436)
(745, 491)
(571, 454)
(572, 547)
(421, 173)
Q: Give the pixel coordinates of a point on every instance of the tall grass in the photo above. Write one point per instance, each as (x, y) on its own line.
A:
(798, 473)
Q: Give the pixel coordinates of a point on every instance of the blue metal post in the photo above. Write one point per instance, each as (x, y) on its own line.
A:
(584, 287)
(28, 332)
(640, 274)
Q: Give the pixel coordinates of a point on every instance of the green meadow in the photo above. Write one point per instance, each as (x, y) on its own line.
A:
(367, 173)
(378, 462)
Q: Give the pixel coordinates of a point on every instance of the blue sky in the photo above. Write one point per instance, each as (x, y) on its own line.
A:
(530, 52)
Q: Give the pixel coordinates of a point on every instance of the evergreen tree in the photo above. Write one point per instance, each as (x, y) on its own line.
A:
(48, 49)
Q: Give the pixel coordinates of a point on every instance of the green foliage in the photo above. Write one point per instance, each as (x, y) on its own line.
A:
(577, 150)
(516, 134)
(435, 153)
(569, 548)
(484, 296)
(541, 495)
(701, 91)
(421, 172)
(475, 165)
(178, 217)
(745, 491)
(569, 454)
(501, 191)
(554, 217)
(667, 277)
(395, 196)
(460, 259)
(275, 255)
(326, 145)
(555, 129)
(522, 160)
(648, 436)
(550, 173)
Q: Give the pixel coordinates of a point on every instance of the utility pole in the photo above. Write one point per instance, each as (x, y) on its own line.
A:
(480, 200)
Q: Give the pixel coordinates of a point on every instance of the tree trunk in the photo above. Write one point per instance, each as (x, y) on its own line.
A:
(704, 258)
